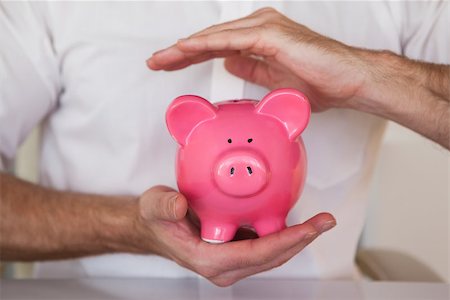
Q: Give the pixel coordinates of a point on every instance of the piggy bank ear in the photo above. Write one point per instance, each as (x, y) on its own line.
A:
(290, 107)
(185, 113)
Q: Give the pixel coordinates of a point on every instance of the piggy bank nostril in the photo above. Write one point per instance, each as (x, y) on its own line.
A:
(232, 170)
(249, 170)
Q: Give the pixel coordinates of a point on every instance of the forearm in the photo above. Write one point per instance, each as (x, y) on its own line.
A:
(411, 93)
(39, 224)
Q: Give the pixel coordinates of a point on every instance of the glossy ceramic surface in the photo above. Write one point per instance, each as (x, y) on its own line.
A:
(240, 162)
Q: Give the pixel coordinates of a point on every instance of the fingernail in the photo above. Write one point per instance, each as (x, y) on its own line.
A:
(182, 40)
(327, 226)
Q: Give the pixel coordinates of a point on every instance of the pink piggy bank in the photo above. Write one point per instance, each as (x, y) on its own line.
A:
(240, 162)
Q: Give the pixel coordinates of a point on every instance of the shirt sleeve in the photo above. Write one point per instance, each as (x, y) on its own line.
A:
(29, 74)
(425, 33)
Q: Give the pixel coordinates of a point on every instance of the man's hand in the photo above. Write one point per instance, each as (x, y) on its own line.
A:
(165, 229)
(271, 50)
(37, 223)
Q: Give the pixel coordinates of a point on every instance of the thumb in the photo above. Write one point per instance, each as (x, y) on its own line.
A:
(163, 203)
(249, 69)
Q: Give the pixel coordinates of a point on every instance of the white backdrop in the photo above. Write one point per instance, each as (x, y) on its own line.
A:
(409, 205)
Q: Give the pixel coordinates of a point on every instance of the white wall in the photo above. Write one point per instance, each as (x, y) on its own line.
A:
(409, 209)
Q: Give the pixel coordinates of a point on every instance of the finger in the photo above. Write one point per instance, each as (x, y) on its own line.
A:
(163, 203)
(249, 69)
(271, 75)
(198, 58)
(255, 19)
(322, 222)
(173, 58)
(250, 39)
(241, 254)
(235, 275)
(248, 21)
(166, 57)
(309, 230)
(221, 44)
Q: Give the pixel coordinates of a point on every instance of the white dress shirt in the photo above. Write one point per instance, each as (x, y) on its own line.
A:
(79, 69)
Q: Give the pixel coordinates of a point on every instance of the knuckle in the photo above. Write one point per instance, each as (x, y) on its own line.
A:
(166, 196)
(167, 205)
(169, 210)
(268, 10)
(268, 32)
(157, 202)
(156, 188)
(270, 13)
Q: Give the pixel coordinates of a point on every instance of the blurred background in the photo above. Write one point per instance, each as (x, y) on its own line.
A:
(406, 237)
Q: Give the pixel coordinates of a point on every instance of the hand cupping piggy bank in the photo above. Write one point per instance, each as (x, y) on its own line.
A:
(240, 162)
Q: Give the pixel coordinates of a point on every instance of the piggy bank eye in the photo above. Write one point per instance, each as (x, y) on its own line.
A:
(229, 141)
(250, 140)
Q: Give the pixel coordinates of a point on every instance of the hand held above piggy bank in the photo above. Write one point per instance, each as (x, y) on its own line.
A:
(240, 162)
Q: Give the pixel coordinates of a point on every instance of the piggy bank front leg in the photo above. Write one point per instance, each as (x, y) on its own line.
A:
(217, 232)
(269, 225)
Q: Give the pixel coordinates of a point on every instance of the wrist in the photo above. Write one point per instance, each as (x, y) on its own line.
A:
(384, 75)
(411, 93)
(119, 225)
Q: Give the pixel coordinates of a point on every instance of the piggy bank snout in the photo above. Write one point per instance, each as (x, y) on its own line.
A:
(241, 173)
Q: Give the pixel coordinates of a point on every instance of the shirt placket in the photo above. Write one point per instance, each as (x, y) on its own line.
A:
(225, 86)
